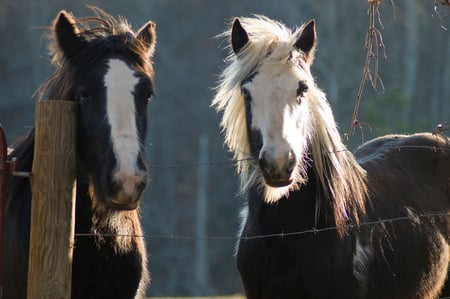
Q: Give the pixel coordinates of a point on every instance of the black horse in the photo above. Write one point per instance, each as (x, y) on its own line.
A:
(105, 67)
(299, 177)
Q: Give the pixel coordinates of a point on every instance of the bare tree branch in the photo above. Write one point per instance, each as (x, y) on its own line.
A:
(373, 43)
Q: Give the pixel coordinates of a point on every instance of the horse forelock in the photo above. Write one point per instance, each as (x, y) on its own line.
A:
(105, 35)
(336, 170)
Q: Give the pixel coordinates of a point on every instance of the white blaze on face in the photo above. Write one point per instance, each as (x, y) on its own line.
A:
(270, 98)
(120, 83)
(275, 110)
(278, 114)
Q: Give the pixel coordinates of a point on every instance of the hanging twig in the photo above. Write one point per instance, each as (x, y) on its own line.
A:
(373, 42)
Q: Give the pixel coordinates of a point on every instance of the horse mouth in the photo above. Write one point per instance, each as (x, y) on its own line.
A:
(277, 172)
(123, 205)
(277, 183)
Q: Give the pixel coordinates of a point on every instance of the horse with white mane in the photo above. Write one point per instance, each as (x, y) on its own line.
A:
(298, 175)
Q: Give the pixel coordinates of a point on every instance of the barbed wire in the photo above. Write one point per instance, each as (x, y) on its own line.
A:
(232, 163)
(415, 218)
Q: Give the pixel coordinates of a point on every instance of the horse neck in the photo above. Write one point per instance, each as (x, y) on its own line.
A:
(288, 214)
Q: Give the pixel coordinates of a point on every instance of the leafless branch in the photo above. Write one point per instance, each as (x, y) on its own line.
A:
(373, 44)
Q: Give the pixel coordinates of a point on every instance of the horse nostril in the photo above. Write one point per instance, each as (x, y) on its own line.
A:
(114, 188)
(141, 186)
(291, 162)
(262, 161)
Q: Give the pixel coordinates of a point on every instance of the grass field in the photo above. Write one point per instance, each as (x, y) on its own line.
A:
(220, 297)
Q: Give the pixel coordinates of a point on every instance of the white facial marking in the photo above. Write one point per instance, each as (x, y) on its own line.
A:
(275, 110)
(120, 83)
(277, 114)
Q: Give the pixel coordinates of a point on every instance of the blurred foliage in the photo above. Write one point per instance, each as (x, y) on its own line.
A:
(394, 119)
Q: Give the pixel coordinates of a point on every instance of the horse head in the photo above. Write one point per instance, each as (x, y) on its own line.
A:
(107, 70)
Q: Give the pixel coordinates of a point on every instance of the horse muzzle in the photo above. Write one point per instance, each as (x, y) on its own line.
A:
(277, 170)
(126, 190)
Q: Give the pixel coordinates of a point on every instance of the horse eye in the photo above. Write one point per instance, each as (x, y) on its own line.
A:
(145, 91)
(83, 96)
(301, 89)
(148, 94)
(245, 93)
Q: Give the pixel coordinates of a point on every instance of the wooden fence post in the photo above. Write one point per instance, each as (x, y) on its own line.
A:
(53, 203)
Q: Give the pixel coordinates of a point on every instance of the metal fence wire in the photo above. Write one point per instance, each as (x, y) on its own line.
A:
(230, 237)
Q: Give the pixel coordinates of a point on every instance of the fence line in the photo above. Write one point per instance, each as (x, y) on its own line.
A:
(232, 162)
(415, 218)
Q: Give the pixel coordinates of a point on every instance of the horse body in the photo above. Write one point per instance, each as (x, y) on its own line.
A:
(106, 69)
(321, 222)
(393, 254)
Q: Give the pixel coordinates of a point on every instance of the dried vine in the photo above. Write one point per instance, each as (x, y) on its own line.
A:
(373, 44)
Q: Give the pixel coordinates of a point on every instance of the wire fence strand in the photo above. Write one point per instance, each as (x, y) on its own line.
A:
(232, 163)
(230, 237)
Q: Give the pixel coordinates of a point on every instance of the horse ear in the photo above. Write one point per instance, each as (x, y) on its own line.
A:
(66, 32)
(306, 42)
(239, 37)
(147, 35)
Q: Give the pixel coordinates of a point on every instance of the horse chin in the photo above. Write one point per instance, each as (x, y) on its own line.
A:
(120, 204)
(278, 183)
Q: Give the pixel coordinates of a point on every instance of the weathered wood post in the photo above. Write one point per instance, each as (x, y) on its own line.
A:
(53, 203)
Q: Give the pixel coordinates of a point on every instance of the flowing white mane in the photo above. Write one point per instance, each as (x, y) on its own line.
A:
(338, 174)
